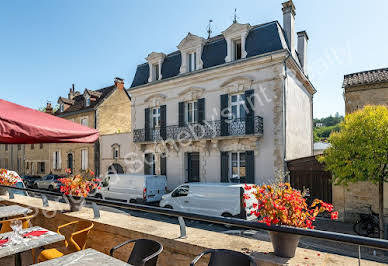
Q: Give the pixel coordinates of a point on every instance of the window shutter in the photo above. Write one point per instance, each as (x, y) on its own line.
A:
(250, 164)
(163, 164)
(147, 124)
(163, 122)
(86, 159)
(201, 110)
(181, 114)
(224, 114)
(250, 115)
(59, 160)
(54, 164)
(224, 167)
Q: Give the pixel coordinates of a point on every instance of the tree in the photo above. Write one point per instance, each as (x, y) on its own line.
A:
(359, 151)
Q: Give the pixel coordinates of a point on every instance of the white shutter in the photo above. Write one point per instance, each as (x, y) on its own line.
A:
(54, 166)
(59, 160)
(86, 159)
(82, 160)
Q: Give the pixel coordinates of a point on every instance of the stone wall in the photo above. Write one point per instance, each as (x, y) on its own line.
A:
(354, 199)
(114, 228)
(114, 114)
(359, 96)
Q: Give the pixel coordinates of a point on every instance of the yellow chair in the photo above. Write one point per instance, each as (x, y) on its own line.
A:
(77, 240)
(6, 224)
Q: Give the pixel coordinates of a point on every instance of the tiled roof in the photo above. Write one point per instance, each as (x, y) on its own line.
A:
(79, 101)
(366, 77)
(261, 39)
(66, 100)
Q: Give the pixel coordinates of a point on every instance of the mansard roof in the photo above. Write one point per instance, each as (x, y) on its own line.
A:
(261, 39)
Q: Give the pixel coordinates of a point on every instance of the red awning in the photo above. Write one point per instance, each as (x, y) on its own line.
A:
(22, 125)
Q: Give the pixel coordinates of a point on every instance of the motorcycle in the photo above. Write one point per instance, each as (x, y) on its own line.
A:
(368, 225)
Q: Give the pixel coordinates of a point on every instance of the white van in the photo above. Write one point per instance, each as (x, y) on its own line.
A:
(133, 188)
(215, 199)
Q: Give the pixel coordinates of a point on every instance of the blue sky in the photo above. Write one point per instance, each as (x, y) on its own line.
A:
(45, 46)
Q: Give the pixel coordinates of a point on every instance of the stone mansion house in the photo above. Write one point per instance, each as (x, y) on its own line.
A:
(230, 108)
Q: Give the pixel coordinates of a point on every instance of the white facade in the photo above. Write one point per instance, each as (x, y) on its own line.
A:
(275, 125)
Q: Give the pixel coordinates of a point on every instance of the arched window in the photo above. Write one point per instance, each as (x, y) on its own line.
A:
(115, 169)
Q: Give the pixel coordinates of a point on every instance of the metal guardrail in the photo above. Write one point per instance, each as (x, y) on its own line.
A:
(338, 237)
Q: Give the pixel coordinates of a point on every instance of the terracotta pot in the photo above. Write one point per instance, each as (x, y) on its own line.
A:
(284, 245)
(3, 191)
(76, 203)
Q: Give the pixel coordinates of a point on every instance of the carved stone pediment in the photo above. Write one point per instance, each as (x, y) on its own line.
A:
(155, 57)
(191, 94)
(236, 29)
(237, 84)
(191, 41)
(155, 100)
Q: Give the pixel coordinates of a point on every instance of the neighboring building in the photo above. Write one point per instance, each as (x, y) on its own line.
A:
(12, 157)
(367, 87)
(250, 73)
(108, 110)
(360, 89)
(116, 153)
(37, 159)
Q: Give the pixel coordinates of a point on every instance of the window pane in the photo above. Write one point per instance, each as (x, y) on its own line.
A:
(235, 171)
(242, 111)
(234, 98)
(242, 172)
(242, 158)
(234, 111)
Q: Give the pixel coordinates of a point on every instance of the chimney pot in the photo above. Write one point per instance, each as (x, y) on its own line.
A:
(289, 23)
(302, 49)
(49, 108)
(119, 83)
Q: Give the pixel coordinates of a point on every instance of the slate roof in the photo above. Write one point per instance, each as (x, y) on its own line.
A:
(261, 39)
(366, 77)
(79, 101)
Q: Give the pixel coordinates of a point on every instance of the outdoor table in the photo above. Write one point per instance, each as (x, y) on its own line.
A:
(13, 210)
(28, 243)
(87, 257)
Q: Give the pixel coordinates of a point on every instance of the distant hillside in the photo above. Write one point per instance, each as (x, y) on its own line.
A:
(324, 126)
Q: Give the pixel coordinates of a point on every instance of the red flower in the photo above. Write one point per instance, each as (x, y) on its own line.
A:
(334, 215)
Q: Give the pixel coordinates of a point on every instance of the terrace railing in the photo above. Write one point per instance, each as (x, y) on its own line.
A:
(252, 225)
(205, 130)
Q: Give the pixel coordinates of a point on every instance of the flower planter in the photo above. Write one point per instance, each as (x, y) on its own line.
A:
(284, 245)
(76, 203)
(3, 191)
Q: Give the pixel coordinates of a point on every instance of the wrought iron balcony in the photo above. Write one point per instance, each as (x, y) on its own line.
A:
(205, 130)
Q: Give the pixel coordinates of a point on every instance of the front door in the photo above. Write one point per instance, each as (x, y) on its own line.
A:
(70, 162)
(193, 166)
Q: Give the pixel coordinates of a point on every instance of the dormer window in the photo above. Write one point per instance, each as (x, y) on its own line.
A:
(192, 61)
(237, 49)
(155, 62)
(235, 37)
(191, 52)
(155, 70)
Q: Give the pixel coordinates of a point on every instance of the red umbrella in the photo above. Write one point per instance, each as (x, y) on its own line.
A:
(22, 125)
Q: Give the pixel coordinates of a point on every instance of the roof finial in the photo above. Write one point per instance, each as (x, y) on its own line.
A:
(209, 29)
(235, 16)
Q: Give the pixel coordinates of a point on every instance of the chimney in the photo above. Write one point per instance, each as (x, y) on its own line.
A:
(71, 94)
(302, 50)
(289, 23)
(49, 108)
(119, 83)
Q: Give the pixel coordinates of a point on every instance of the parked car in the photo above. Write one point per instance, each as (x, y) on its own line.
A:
(49, 182)
(215, 199)
(133, 188)
(29, 180)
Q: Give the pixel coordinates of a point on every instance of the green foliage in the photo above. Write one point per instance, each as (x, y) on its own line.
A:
(323, 133)
(329, 121)
(359, 151)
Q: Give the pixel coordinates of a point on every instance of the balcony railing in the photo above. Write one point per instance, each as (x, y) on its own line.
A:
(205, 130)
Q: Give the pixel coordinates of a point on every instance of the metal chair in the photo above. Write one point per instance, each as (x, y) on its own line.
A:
(225, 257)
(6, 224)
(76, 237)
(144, 253)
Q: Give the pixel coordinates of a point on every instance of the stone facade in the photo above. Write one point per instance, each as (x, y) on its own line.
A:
(360, 89)
(37, 159)
(359, 96)
(264, 75)
(12, 157)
